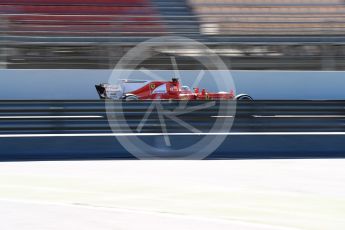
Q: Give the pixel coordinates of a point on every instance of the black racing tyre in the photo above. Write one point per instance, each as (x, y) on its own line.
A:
(131, 98)
(245, 102)
(243, 97)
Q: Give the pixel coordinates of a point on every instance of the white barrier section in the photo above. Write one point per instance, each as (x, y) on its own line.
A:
(183, 195)
(79, 84)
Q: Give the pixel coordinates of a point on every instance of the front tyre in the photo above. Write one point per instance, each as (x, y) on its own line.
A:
(243, 97)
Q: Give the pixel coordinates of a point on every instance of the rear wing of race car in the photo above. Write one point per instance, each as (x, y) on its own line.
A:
(108, 91)
(101, 91)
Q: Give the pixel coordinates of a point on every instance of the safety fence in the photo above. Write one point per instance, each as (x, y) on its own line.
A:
(84, 130)
(99, 116)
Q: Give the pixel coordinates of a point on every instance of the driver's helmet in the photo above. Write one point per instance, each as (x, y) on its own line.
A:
(185, 88)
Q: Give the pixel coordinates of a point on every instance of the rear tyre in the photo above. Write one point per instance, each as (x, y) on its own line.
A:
(131, 98)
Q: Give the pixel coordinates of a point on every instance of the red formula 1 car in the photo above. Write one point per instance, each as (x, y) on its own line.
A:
(131, 90)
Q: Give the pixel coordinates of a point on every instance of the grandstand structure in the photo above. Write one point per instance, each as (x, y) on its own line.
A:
(247, 34)
(270, 17)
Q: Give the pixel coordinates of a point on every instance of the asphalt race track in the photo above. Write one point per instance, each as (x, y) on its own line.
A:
(185, 195)
(72, 130)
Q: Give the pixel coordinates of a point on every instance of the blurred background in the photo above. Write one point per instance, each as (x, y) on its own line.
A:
(249, 34)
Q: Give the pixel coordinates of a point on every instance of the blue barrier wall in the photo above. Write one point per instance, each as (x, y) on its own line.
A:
(79, 84)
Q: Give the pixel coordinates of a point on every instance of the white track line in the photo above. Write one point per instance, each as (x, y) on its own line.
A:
(302, 116)
(42, 117)
(170, 134)
(290, 116)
